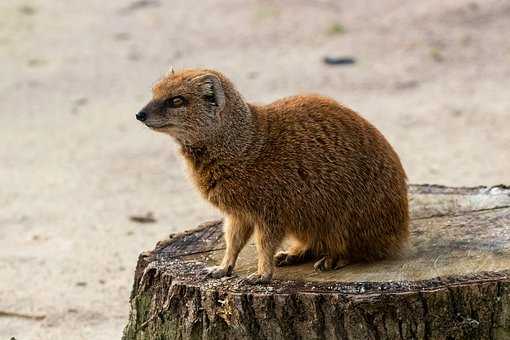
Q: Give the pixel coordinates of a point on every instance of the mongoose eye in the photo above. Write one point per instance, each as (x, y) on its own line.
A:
(176, 101)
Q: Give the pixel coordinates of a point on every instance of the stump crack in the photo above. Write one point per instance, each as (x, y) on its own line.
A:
(465, 212)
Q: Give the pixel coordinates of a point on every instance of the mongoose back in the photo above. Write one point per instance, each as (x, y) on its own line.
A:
(305, 168)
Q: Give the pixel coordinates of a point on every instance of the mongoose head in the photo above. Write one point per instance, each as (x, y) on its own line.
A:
(187, 105)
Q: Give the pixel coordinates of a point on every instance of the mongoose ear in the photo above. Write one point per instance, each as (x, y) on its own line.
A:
(212, 90)
(170, 72)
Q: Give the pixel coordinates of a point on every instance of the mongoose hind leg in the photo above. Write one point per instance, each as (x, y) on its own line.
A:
(295, 254)
(330, 263)
(236, 233)
(284, 258)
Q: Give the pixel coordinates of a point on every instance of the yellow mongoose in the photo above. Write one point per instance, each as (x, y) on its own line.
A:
(304, 168)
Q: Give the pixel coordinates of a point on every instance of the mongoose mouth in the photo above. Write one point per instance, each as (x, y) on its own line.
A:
(162, 126)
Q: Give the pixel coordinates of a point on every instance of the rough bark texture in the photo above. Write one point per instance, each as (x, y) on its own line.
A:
(452, 283)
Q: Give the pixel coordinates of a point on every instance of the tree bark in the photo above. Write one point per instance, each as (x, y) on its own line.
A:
(453, 282)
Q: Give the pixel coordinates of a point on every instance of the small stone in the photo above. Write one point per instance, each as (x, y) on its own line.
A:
(339, 60)
(122, 36)
(27, 10)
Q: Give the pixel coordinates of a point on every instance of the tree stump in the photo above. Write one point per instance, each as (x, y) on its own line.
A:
(453, 282)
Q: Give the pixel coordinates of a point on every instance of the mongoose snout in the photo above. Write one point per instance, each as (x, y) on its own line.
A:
(141, 116)
(302, 168)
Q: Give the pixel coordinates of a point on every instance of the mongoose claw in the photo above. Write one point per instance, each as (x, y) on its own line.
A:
(217, 272)
(324, 264)
(328, 263)
(285, 259)
(254, 279)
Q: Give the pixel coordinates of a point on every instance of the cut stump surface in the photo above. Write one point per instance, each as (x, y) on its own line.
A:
(452, 282)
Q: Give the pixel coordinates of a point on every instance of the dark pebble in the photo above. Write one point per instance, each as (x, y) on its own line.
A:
(339, 60)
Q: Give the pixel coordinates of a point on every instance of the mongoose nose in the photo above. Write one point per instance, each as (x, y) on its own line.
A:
(141, 116)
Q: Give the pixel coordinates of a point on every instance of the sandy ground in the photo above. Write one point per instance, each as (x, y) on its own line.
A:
(434, 76)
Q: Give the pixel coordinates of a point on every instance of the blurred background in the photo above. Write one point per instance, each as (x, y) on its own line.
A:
(433, 76)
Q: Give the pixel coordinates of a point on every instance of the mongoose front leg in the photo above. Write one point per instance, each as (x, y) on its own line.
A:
(267, 241)
(236, 232)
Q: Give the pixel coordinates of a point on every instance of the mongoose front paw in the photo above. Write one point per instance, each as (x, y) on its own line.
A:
(217, 272)
(285, 259)
(254, 279)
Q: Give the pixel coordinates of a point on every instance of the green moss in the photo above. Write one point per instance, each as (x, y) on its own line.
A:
(266, 12)
(336, 28)
(140, 311)
(162, 327)
(437, 55)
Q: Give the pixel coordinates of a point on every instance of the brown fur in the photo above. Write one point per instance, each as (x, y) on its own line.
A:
(304, 168)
